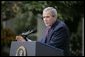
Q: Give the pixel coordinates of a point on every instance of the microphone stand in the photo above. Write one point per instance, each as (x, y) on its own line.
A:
(24, 35)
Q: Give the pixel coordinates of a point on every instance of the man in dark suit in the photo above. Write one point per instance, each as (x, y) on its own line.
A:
(57, 34)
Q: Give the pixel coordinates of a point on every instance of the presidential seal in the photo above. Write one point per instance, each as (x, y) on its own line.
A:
(21, 51)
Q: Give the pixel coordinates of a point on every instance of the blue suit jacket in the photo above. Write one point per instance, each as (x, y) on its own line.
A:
(58, 36)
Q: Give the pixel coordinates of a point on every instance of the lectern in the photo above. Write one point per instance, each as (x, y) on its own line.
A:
(33, 49)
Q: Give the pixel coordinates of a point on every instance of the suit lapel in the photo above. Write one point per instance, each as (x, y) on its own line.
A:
(52, 29)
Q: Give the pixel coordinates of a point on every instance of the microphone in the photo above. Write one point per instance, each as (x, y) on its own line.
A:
(24, 35)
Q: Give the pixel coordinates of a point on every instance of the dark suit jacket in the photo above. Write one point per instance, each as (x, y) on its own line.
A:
(58, 36)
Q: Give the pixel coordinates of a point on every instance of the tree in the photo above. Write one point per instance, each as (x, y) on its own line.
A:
(25, 15)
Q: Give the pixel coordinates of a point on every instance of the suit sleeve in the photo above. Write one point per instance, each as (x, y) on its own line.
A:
(59, 38)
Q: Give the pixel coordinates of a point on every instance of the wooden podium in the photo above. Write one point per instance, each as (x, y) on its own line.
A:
(33, 49)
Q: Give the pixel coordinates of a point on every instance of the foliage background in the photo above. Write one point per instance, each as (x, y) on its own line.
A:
(24, 17)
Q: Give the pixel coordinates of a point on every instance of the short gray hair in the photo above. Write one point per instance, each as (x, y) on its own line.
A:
(52, 10)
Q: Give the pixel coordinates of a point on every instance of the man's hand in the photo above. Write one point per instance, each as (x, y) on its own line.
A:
(20, 38)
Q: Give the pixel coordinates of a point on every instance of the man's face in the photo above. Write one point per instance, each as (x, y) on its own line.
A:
(48, 18)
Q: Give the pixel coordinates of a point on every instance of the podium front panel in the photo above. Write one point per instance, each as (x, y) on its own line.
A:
(33, 49)
(29, 46)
